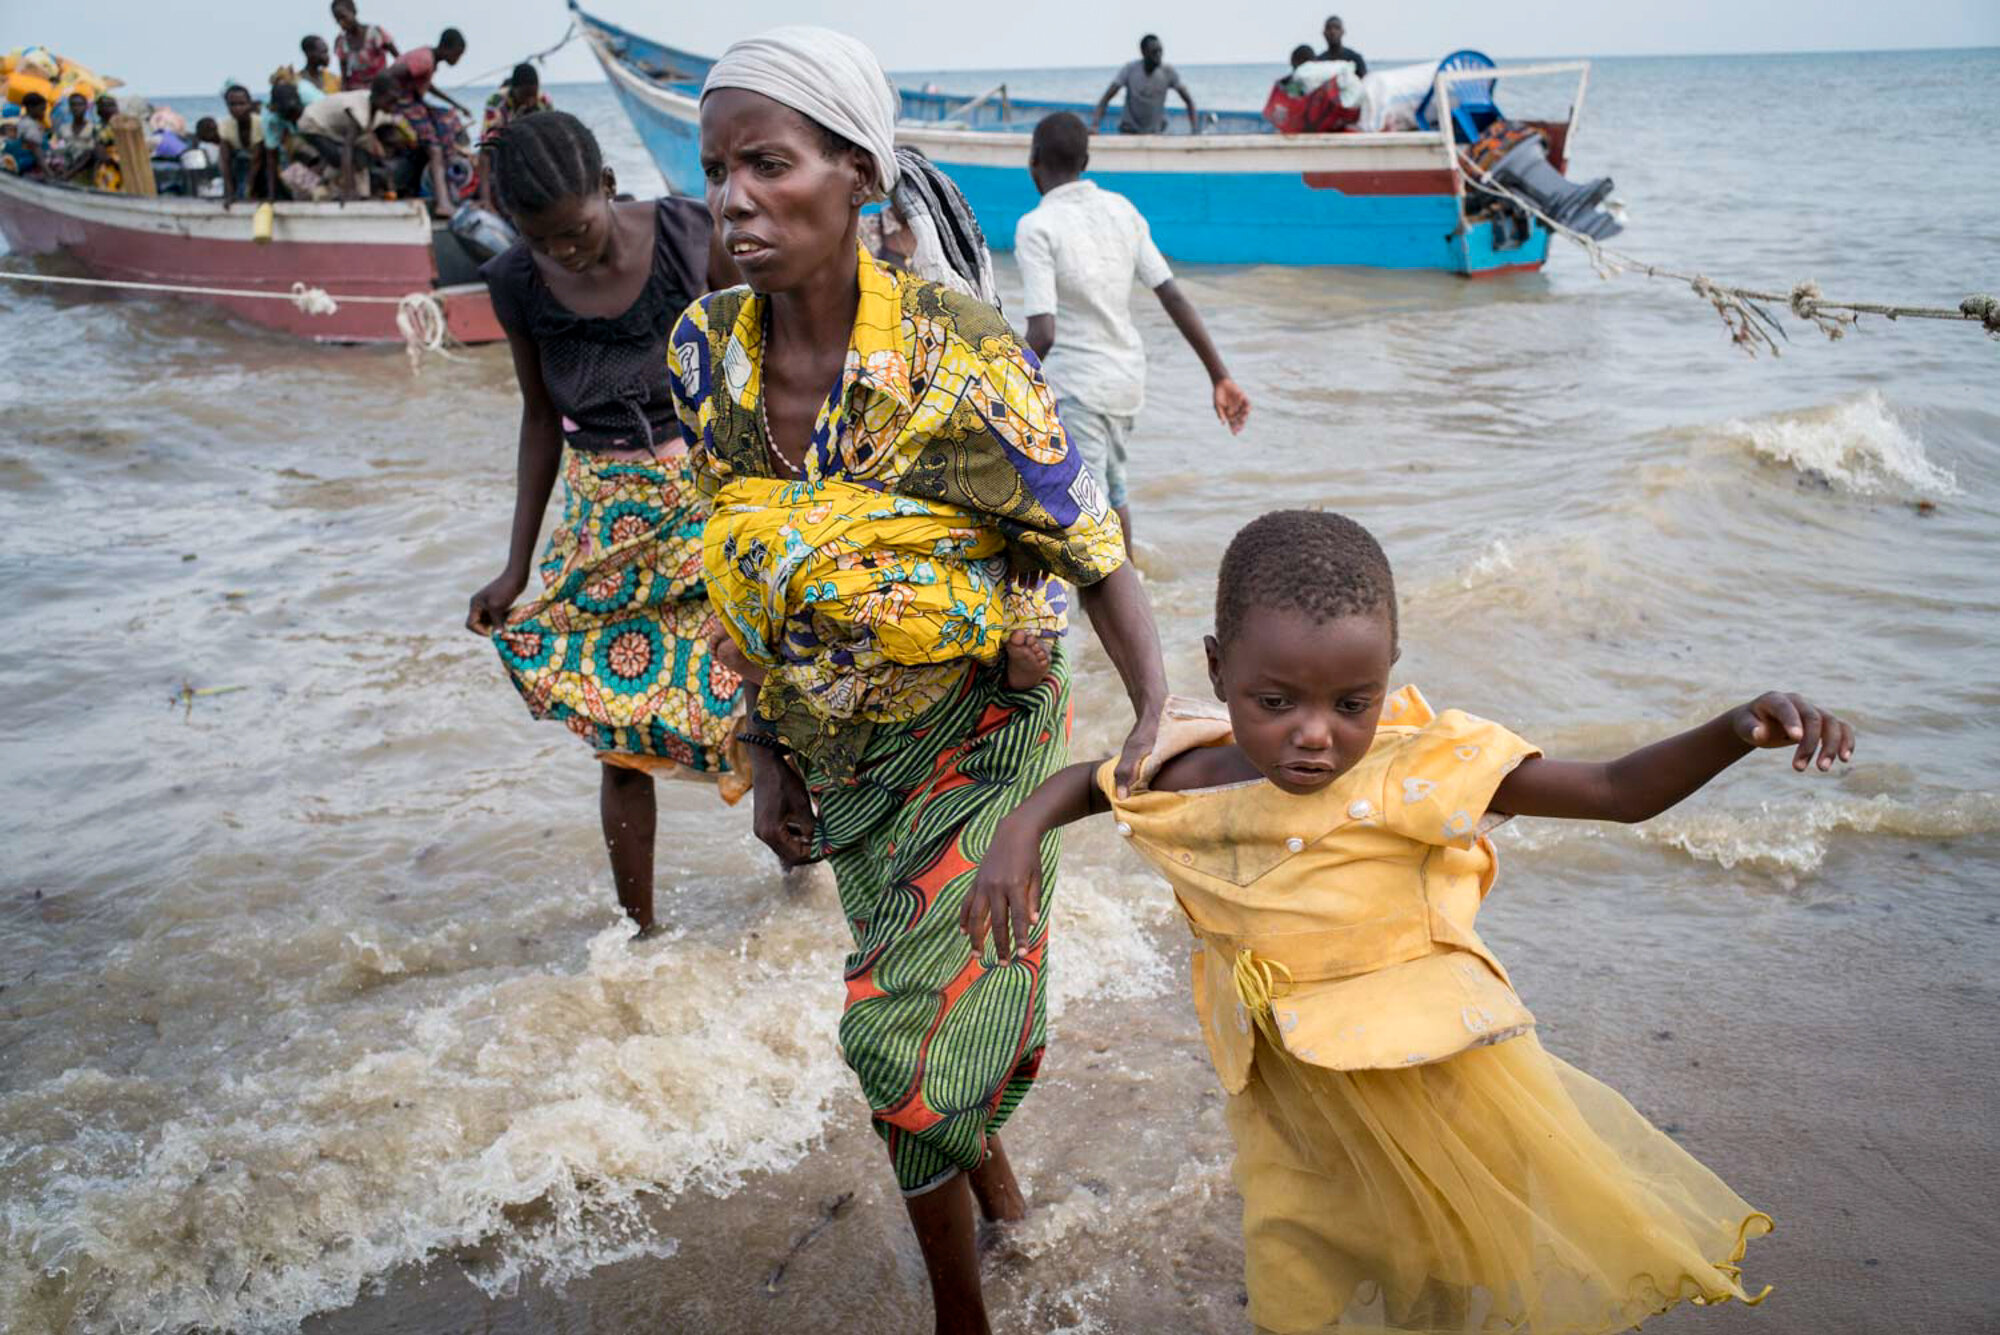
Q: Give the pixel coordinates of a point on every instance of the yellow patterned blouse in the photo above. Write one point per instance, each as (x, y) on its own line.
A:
(937, 402)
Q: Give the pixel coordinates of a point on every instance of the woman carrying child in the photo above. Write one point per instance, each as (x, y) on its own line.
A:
(891, 483)
(1409, 1157)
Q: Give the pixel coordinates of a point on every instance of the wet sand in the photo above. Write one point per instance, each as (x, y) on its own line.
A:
(1849, 1091)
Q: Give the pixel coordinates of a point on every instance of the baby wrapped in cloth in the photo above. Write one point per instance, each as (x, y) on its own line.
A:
(864, 603)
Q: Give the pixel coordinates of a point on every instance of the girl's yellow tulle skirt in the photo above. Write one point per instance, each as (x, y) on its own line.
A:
(1498, 1190)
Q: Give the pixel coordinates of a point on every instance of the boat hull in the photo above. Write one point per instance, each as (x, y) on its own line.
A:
(376, 250)
(1379, 200)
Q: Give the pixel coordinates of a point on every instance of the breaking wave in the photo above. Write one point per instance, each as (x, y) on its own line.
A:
(1859, 446)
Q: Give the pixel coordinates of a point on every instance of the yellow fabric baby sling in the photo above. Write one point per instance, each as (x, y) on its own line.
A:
(865, 603)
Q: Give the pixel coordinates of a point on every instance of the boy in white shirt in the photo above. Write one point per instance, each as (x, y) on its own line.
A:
(1079, 251)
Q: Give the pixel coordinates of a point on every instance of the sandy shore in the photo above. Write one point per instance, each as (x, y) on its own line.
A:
(1850, 1091)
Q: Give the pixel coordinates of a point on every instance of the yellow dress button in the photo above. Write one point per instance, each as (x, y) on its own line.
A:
(1124, 829)
(1359, 810)
(1296, 844)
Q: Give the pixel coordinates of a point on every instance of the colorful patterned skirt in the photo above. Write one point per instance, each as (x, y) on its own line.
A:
(945, 1043)
(434, 126)
(614, 647)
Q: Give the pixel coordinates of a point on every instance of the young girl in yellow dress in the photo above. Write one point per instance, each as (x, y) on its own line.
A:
(1409, 1157)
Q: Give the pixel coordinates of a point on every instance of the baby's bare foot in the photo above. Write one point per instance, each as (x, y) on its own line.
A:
(1027, 660)
(725, 652)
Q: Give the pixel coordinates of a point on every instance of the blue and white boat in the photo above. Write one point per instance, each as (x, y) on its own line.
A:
(1238, 193)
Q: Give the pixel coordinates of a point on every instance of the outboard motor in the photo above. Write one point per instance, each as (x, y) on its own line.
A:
(482, 232)
(1526, 168)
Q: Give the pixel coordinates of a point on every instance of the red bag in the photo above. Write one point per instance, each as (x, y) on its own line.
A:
(1323, 112)
(1319, 112)
(1286, 111)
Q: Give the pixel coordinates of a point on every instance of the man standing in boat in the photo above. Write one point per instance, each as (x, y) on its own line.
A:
(1337, 49)
(1146, 82)
(1079, 251)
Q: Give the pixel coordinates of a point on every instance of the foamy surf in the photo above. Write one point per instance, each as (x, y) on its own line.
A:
(1860, 446)
(538, 1124)
(542, 1117)
(1787, 838)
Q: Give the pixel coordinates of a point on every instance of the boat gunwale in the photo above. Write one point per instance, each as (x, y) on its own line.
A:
(686, 107)
(375, 211)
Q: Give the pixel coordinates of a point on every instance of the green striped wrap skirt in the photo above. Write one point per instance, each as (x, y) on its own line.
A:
(944, 1042)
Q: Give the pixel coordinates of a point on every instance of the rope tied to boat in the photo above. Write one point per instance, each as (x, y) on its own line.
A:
(481, 79)
(313, 300)
(420, 318)
(1745, 311)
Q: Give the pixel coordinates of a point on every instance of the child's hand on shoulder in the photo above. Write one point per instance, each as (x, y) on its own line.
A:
(1778, 719)
(1006, 898)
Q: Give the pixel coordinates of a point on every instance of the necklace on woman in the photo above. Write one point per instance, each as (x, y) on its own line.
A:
(763, 394)
(770, 440)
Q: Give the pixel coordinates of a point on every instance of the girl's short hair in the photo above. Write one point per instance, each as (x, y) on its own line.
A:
(1311, 561)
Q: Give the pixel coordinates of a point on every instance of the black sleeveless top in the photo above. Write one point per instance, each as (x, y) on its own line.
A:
(607, 376)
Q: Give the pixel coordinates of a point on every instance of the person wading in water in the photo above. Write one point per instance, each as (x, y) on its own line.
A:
(893, 494)
(614, 647)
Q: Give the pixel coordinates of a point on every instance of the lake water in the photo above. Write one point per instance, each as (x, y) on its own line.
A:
(315, 1008)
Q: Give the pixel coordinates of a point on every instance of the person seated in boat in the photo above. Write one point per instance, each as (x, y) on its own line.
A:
(437, 130)
(283, 136)
(345, 130)
(1337, 48)
(105, 173)
(28, 148)
(20, 154)
(35, 108)
(1146, 83)
(308, 90)
(317, 75)
(240, 144)
(520, 96)
(72, 141)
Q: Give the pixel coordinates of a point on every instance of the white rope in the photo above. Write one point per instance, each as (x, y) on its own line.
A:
(419, 317)
(311, 300)
(420, 320)
(570, 34)
(1742, 309)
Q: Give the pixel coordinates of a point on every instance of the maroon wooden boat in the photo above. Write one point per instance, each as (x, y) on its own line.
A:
(383, 250)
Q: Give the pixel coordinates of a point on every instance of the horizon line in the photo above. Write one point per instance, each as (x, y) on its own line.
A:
(1385, 61)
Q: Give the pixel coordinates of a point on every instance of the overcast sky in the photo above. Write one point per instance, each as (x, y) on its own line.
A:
(162, 48)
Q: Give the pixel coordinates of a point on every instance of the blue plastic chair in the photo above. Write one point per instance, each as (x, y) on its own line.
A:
(1472, 105)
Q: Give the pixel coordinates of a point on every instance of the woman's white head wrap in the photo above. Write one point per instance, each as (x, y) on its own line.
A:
(825, 76)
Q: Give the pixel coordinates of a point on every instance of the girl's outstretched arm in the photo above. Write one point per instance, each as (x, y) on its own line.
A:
(1006, 899)
(1653, 778)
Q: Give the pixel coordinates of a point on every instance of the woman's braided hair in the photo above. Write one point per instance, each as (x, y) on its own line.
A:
(545, 158)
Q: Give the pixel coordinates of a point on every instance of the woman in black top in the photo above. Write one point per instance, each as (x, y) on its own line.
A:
(614, 646)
